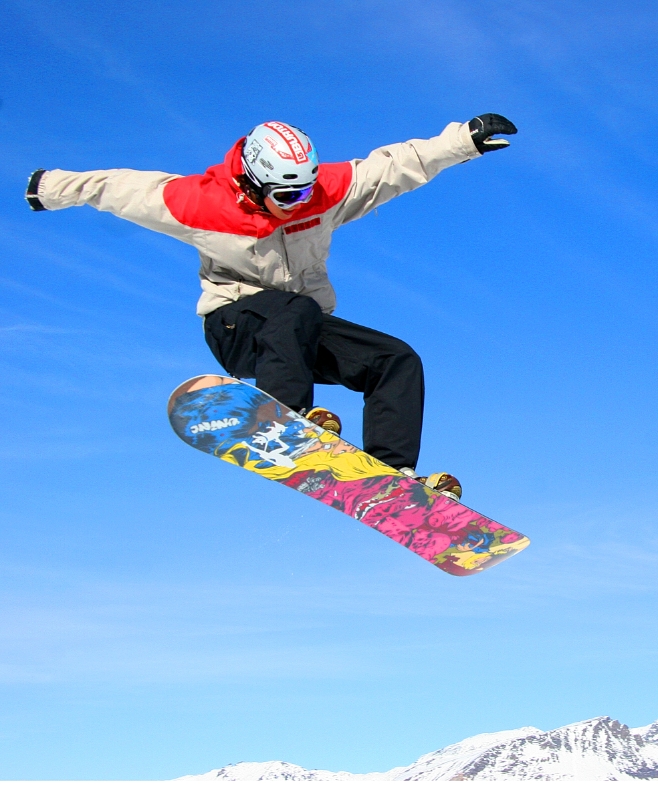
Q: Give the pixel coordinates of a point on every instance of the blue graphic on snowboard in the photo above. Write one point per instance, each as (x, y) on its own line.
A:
(240, 415)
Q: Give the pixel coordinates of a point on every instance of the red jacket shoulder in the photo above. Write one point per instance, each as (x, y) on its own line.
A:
(334, 181)
(208, 202)
(211, 202)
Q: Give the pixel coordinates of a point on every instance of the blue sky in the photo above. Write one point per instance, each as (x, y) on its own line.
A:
(162, 613)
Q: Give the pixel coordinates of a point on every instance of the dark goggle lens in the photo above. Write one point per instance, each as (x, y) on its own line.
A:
(291, 196)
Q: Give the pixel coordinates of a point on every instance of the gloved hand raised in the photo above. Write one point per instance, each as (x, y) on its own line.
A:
(485, 126)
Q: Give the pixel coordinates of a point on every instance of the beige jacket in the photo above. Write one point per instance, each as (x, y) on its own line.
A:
(243, 249)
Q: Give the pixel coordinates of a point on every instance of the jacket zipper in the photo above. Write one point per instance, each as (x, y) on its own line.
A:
(286, 260)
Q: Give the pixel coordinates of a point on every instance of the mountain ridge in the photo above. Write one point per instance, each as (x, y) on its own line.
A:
(599, 749)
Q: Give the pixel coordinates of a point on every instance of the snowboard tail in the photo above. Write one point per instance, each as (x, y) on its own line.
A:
(243, 426)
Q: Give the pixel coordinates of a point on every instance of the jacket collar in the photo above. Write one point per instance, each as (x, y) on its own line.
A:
(233, 161)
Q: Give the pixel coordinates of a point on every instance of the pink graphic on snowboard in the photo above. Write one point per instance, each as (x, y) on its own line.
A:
(406, 512)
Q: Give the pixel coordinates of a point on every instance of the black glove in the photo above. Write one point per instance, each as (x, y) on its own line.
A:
(32, 193)
(485, 126)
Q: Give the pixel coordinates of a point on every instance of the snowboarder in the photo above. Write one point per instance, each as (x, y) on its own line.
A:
(262, 222)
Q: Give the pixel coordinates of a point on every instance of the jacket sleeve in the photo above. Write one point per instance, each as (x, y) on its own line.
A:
(130, 194)
(397, 168)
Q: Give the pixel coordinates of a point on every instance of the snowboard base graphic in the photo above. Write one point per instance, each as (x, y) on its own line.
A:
(246, 427)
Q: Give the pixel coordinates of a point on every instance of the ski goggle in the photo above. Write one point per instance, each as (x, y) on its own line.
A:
(284, 197)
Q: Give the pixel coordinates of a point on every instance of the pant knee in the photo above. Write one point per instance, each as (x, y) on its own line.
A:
(402, 353)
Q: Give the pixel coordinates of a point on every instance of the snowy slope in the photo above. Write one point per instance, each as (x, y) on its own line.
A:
(599, 749)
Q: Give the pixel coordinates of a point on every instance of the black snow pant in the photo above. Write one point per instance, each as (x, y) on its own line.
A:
(287, 344)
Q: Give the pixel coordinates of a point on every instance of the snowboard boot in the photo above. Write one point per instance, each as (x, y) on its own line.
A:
(325, 419)
(440, 482)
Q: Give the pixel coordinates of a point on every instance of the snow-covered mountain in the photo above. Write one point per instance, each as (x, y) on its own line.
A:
(599, 749)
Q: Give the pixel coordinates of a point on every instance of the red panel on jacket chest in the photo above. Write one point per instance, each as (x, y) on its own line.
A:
(302, 226)
(210, 202)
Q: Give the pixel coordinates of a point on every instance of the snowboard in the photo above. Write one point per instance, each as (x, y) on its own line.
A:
(246, 427)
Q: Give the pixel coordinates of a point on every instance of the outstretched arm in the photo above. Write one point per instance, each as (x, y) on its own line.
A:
(127, 193)
(392, 170)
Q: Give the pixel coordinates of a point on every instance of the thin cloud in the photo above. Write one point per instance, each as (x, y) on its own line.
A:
(46, 330)
(67, 33)
(96, 265)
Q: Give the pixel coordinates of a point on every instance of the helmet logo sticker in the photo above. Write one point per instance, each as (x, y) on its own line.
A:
(277, 149)
(251, 153)
(266, 164)
(296, 147)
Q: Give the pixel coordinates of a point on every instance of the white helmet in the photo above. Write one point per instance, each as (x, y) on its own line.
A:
(281, 162)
